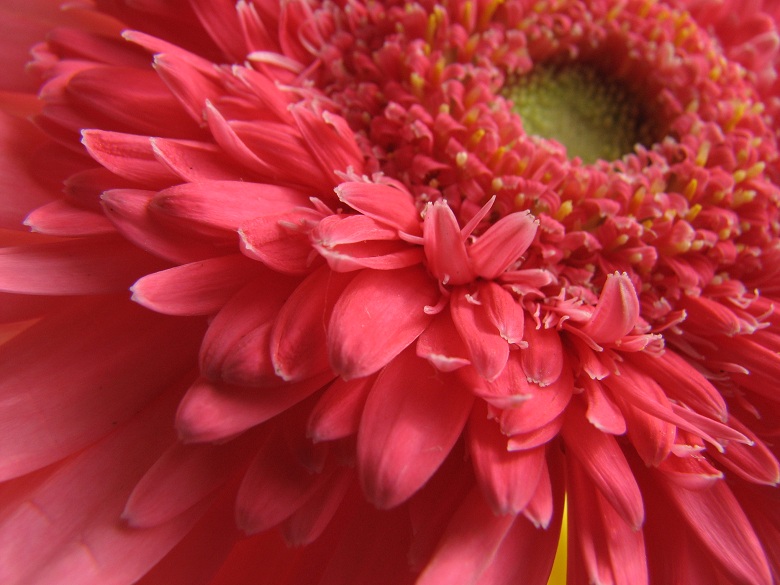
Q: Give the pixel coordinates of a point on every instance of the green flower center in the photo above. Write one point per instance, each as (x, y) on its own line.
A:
(593, 117)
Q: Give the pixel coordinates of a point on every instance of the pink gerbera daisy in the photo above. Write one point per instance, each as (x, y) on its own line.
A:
(405, 278)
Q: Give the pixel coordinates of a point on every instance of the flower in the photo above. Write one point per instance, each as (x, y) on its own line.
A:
(389, 311)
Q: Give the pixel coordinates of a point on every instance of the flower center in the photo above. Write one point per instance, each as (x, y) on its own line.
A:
(592, 116)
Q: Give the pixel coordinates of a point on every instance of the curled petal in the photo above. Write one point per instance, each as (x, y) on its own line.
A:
(617, 310)
(383, 203)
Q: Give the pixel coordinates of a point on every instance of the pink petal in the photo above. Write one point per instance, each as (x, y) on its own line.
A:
(488, 351)
(468, 546)
(383, 203)
(187, 82)
(542, 406)
(378, 315)
(195, 161)
(330, 140)
(274, 487)
(716, 518)
(80, 539)
(128, 156)
(351, 242)
(212, 412)
(20, 187)
(535, 438)
(308, 522)
(248, 362)
(391, 437)
(680, 380)
(527, 552)
(545, 503)
(299, 342)
(617, 310)
(128, 210)
(79, 266)
(54, 383)
(183, 476)
(503, 244)
(754, 462)
(200, 288)
(605, 464)
(508, 479)
(441, 345)
(281, 241)
(543, 359)
(253, 306)
(508, 390)
(602, 413)
(60, 218)
(444, 245)
(504, 312)
(337, 413)
(224, 205)
(613, 551)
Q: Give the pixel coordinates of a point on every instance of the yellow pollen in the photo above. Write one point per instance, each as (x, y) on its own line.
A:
(690, 189)
(461, 158)
(693, 212)
(704, 153)
(756, 170)
(418, 83)
(564, 210)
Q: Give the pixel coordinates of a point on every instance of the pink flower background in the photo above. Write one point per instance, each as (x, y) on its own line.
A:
(289, 295)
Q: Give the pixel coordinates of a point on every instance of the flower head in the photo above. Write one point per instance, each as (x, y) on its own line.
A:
(404, 277)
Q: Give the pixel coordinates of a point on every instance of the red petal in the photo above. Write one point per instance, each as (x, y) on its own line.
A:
(603, 460)
(337, 413)
(200, 288)
(378, 315)
(508, 479)
(543, 358)
(617, 310)
(716, 518)
(281, 241)
(411, 420)
(469, 544)
(444, 246)
(299, 342)
(503, 244)
(487, 349)
(385, 203)
(441, 345)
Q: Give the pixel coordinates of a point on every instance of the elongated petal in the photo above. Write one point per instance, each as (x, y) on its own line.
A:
(378, 315)
(225, 205)
(128, 210)
(54, 383)
(543, 359)
(502, 244)
(81, 540)
(468, 545)
(716, 518)
(82, 266)
(195, 161)
(128, 156)
(488, 350)
(603, 413)
(281, 241)
(444, 245)
(274, 487)
(337, 414)
(605, 464)
(256, 304)
(540, 407)
(441, 345)
(200, 288)
(508, 479)
(60, 218)
(391, 437)
(180, 478)
(299, 340)
(211, 412)
(384, 203)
